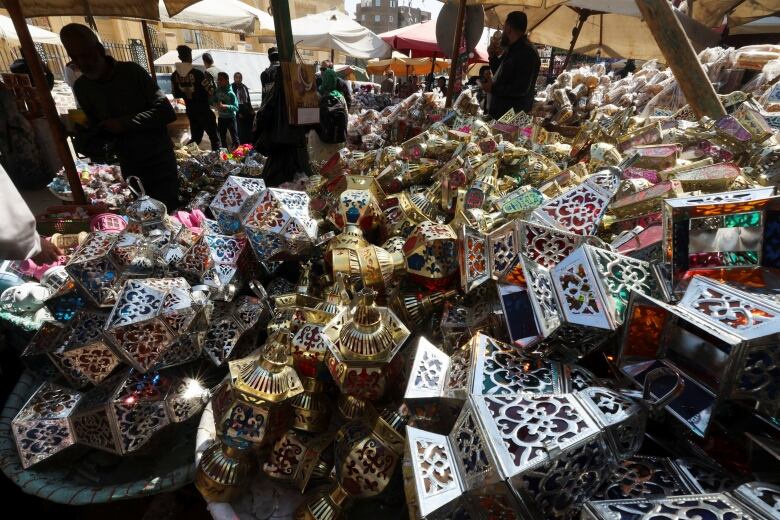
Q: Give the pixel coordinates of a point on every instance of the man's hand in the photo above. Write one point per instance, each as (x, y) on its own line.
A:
(221, 106)
(113, 126)
(49, 253)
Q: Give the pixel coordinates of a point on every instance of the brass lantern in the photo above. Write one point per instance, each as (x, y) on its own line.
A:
(234, 200)
(369, 266)
(357, 207)
(224, 471)
(363, 342)
(431, 255)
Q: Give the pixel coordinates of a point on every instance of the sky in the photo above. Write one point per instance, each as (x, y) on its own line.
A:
(434, 6)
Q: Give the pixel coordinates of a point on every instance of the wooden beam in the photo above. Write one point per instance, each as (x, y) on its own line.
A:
(455, 52)
(681, 58)
(149, 50)
(49, 108)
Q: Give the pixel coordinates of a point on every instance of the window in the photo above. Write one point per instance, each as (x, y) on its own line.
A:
(377, 18)
(392, 4)
(390, 18)
(189, 36)
(377, 3)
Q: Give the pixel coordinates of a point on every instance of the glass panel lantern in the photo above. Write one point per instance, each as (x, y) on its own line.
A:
(540, 455)
(722, 235)
(231, 323)
(43, 427)
(234, 200)
(213, 261)
(431, 254)
(150, 319)
(721, 340)
(279, 226)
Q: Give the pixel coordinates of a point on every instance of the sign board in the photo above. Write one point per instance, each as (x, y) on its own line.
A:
(473, 25)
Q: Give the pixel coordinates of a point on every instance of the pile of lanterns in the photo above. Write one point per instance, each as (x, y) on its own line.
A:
(490, 312)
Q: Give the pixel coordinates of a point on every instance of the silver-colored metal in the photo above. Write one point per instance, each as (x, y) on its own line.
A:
(234, 200)
(230, 324)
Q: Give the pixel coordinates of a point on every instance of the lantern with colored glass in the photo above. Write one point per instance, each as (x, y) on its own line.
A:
(357, 207)
(431, 254)
(213, 261)
(232, 325)
(234, 200)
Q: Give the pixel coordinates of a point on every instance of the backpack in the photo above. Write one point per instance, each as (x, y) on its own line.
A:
(333, 120)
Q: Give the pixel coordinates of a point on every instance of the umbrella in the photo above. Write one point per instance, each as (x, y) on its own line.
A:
(334, 30)
(8, 32)
(739, 12)
(609, 28)
(768, 25)
(143, 9)
(403, 66)
(419, 40)
(231, 15)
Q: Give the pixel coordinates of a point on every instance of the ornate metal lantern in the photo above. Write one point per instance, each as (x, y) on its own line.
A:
(722, 235)
(752, 500)
(718, 338)
(524, 454)
(213, 261)
(224, 471)
(79, 349)
(234, 200)
(145, 213)
(357, 207)
(279, 226)
(299, 459)
(231, 323)
(123, 413)
(431, 254)
(158, 322)
(44, 427)
(369, 266)
(362, 344)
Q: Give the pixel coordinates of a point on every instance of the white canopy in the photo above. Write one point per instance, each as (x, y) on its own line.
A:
(768, 25)
(249, 64)
(333, 29)
(7, 32)
(232, 15)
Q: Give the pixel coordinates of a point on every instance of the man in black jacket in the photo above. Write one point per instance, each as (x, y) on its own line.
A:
(124, 105)
(514, 71)
(197, 89)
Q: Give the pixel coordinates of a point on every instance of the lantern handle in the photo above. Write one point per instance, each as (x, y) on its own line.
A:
(665, 399)
(140, 192)
(257, 288)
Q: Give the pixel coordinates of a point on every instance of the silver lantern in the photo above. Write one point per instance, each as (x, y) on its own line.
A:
(234, 200)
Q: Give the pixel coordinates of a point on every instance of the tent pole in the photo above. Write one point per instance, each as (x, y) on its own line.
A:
(455, 52)
(429, 88)
(50, 110)
(681, 58)
(333, 56)
(584, 13)
(88, 15)
(149, 51)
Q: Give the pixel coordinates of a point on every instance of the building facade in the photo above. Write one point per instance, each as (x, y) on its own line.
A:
(385, 15)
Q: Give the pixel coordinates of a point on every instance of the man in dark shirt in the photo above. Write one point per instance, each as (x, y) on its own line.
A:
(268, 76)
(123, 103)
(514, 71)
(197, 89)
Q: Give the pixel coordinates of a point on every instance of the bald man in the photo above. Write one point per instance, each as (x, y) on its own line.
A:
(125, 107)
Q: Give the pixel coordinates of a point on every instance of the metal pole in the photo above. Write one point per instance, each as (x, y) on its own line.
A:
(149, 51)
(456, 52)
(333, 56)
(575, 35)
(50, 109)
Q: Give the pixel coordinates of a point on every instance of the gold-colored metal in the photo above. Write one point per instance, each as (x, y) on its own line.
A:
(224, 472)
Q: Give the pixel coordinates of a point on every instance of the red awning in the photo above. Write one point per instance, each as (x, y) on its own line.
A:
(419, 41)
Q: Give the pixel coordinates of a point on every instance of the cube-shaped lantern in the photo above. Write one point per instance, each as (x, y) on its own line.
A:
(79, 350)
(722, 235)
(234, 200)
(431, 254)
(43, 427)
(213, 261)
(719, 338)
(279, 226)
(532, 454)
(230, 324)
(151, 316)
(125, 411)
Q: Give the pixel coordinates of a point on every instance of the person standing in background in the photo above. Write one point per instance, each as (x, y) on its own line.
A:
(269, 75)
(246, 113)
(485, 78)
(514, 71)
(196, 88)
(211, 69)
(122, 102)
(388, 84)
(227, 105)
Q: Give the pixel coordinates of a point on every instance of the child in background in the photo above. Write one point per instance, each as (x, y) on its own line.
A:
(227, 106)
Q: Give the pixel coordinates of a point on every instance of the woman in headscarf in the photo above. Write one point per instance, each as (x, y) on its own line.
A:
(333, 109)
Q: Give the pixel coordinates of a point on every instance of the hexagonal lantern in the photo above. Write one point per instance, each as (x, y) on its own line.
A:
(358, 207)
(299, 458)
(362, 344)
(234, 200)
(720, 339)
(123, 413)
(79, 350)
(279, 226)
(213, 261)
(150, 317)
(369, 266)
(43, 427)
(145, 213)
(580, 209)
(253, 407)
(402, 215)
(431, 254)
(491, 465)
(231, 323)
(102, 263)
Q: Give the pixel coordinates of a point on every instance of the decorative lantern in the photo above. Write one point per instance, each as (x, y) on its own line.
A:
(300, 459)
(43, 427)
(231, 323)
(369, 266)
(718, 338)
(224, 471)
(362, 344)
(754, 500)
(145, 213)
(158, 322)
(431, 255)
(213, 261)
(524, 454)
(357, 207)
(123, 413)
(234, 200)
(79, 349)
(415, 307)
(722, 235)
(279, 226)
